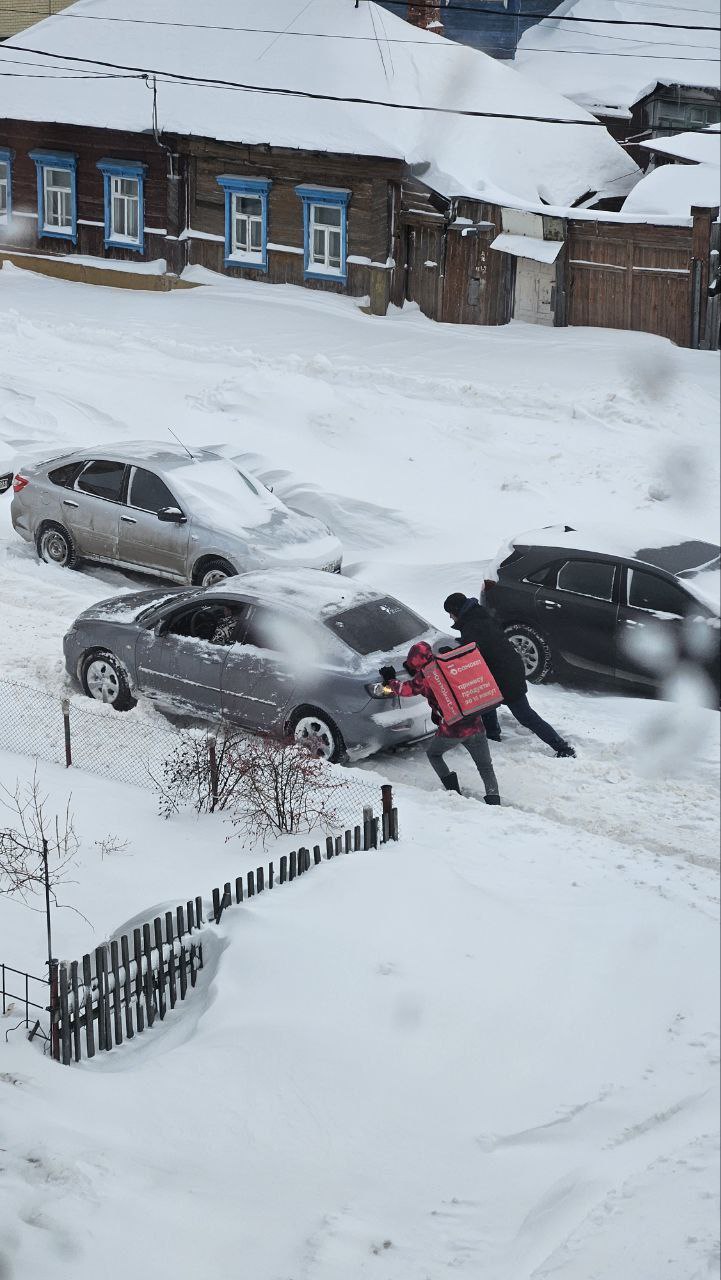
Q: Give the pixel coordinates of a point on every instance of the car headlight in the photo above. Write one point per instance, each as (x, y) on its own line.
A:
(379, 690)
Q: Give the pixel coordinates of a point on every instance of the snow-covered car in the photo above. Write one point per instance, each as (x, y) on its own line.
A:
(190, 517)
(588, 600)
(290, 654)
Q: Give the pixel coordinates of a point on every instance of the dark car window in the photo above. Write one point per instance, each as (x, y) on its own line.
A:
(587, 578)
(377, 626)
(148, 492)
(646, 591)
(66, 475)
(103, 479)
(545, 577)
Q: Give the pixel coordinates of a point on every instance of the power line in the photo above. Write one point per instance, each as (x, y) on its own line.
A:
(170, 77)
(501, 13)
(551, 17)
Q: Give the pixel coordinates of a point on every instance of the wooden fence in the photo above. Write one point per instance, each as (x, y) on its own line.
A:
(126, 985)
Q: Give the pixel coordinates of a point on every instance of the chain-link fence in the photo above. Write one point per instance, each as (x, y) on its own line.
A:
(143, 751)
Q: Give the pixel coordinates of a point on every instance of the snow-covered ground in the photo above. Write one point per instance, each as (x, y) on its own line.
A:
(490, 1050)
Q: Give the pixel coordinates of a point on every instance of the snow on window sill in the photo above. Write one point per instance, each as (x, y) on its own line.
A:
(246, 259)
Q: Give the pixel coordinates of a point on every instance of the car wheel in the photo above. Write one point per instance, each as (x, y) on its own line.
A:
(212, 571)
(316, 731)
(534, 650)
(103, 678)
(55, 546)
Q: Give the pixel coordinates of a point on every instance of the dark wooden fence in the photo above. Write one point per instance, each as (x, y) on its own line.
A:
(129, 983)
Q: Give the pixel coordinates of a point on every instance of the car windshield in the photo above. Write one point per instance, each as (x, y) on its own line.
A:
(684, 559)
(377, 626)
(218, 493)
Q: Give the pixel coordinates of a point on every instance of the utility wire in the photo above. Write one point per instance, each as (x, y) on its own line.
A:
(501, 13)
(550, 17)
(211, 82)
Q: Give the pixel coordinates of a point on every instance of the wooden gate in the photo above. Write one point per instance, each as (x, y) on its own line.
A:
(633, 276)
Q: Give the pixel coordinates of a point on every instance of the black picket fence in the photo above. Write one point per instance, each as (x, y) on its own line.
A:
(12, 1000)
(127, 985)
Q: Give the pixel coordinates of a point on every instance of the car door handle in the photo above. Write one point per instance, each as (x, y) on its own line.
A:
(68, 503)
(551, 604)
(128, 520)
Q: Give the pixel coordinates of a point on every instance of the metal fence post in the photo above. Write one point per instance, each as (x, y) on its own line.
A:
(66, 731)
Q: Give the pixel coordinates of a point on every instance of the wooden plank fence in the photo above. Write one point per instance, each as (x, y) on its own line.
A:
(133, 981)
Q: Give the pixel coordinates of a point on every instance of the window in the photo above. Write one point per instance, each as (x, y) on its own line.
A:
(57, 195)
(123, 188)
(6, 190)
(246, 221)
(646, 591)
(103, 479)
(377, 626)
(545, 577)
(66, 475)
(325, 216)
(148, 492)
(587, 578)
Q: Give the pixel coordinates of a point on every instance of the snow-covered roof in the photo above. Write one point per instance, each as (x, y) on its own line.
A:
(327, 47)
(675, 188)
(703, 146)
(614, 67)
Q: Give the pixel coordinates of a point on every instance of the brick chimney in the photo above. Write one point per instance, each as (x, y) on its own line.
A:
(426, 15)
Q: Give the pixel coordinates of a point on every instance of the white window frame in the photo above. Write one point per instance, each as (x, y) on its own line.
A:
(237, 252)
(60, 194)
(127, 201)
(314, 199)
(48, 163)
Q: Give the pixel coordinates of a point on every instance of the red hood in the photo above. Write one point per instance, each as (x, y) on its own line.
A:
(419, 655)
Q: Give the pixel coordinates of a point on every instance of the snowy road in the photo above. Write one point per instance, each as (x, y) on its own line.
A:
(496, 1051)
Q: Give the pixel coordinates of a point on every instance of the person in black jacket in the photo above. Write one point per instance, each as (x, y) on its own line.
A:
(506, 666)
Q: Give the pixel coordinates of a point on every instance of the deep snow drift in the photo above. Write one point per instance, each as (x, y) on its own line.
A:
(490, 1051)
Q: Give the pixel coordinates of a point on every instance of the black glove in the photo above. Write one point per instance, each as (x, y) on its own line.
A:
(387, 674)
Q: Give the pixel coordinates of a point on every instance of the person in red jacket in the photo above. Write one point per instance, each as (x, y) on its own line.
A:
(468, 733)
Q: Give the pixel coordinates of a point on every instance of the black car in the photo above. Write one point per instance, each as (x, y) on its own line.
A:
(566, 607)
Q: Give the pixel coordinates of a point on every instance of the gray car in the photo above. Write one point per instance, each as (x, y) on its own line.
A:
(190, 518)
(290, 654)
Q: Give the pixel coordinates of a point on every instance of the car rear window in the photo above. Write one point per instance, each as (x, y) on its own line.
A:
(66, 475)
(377, 626)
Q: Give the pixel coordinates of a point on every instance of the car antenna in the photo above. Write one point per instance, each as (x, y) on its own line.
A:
(180, 442)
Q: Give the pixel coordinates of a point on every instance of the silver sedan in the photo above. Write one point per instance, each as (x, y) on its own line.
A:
(188, 517)
(289, 654)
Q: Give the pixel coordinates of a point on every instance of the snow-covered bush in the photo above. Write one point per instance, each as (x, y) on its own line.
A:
(281, 789)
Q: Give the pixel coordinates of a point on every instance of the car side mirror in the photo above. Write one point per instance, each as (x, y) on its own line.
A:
(171, 515)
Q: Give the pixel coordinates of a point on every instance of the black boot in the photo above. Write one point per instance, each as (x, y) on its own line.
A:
(494, 736)
(450, 782)
(493, 798)
(566, 751)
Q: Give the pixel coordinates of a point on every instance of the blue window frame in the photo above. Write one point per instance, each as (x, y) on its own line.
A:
(6, 186)
(57, 194)
(325, 232)
(246, 221)
(123, 193)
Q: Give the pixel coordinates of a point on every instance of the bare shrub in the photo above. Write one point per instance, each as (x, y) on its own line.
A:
(33, 837)
(280, 788)
(200, 771)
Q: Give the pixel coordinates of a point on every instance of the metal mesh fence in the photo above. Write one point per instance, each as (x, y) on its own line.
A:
(138, 750)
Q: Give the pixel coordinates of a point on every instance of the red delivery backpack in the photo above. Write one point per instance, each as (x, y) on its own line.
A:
(461, 683)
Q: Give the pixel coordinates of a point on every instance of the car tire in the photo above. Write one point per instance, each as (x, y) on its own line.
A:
(104, 679)
(313, 728)
(55, 546)
(533, 648)
(211, 571)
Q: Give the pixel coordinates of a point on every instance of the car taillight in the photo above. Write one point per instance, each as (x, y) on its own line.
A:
(379, 691)
(20, 483)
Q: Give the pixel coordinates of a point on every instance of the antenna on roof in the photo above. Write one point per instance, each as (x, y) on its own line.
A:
(180, 442)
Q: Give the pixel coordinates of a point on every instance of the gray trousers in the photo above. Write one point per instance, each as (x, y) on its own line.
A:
(478, 750)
